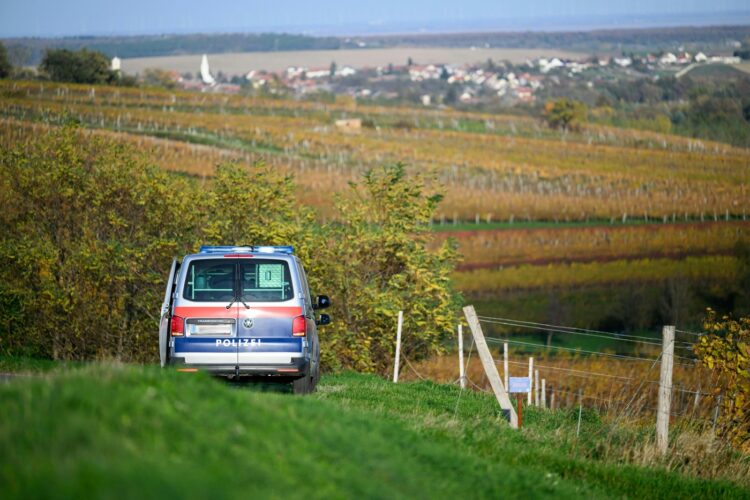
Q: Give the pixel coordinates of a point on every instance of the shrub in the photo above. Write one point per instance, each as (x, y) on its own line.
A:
(565, 114)
(83, 66)
(6, 68)
(726, 351)
(378, 265)
(90, 228)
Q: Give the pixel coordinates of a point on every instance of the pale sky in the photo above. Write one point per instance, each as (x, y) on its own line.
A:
(101, 17)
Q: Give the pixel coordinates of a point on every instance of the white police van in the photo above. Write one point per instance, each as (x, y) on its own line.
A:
(242, 311)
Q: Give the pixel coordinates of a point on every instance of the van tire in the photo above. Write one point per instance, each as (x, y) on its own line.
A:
(303, 385)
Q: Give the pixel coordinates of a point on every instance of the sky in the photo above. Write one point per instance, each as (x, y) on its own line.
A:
(44, 18)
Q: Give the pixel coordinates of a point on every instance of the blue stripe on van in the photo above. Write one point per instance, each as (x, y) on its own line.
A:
(242, 344)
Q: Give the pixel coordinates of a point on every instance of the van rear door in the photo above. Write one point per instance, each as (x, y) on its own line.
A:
(207, 307)
(166, 313)
(265, 327)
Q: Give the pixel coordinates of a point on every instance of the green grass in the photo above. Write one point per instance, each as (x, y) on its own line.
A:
(123, 432)
(10, 364)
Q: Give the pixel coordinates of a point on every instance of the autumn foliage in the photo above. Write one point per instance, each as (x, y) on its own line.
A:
(725, 350)
(91, 226)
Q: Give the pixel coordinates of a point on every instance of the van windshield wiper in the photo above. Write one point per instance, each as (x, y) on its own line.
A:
(239, 298)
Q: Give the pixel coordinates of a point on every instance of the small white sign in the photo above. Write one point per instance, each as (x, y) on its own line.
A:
(519, 384)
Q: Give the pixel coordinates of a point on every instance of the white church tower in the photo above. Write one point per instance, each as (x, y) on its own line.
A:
(206, 72)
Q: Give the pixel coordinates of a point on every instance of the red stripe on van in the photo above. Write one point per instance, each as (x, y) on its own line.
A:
(223, 312)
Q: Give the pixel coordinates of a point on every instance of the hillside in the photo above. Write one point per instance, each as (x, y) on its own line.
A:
(587, 226)
(124, 431)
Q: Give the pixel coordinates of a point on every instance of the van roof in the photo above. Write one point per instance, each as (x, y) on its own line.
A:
(251, 249)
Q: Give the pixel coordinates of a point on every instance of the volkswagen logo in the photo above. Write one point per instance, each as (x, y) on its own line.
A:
(248, 323)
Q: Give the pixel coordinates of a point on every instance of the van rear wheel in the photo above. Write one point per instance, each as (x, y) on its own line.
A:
(303, 385)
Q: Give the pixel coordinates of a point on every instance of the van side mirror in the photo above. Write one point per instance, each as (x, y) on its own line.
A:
(324, 320)
(321, 302)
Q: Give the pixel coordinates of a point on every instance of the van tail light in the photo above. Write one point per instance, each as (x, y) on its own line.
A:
(299, 327)
(178, 326)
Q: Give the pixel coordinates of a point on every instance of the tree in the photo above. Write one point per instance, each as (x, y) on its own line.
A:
(332, 70)
(451, 95)
(377, 264)
(83, 66)
(565, 114)
(5, 67)
(159, 78)
(725, 350)
(90, 229)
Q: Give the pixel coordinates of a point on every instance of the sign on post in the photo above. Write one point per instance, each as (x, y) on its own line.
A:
(519, 385)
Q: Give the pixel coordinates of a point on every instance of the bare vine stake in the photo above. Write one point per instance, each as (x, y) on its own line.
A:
(398, 346)
(505, 362)
(531, 380)
(536, 388)
(461, 373)
(665, 389)
(716, 413)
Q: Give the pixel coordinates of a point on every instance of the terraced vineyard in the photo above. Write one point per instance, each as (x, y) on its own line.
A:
(493, 167)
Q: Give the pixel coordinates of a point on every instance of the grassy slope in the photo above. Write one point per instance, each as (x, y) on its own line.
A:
(127, 432)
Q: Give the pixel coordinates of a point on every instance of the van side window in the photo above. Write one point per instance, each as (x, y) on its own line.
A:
(305, 287)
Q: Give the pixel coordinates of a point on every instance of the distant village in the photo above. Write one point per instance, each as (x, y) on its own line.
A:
(434, 84)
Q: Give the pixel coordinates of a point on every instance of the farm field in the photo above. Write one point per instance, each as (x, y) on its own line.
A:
(241, 63)
(493, 167)
(601, 243)
(107, 430)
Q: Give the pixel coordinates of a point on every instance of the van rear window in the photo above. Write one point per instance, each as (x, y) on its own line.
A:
(216, 280)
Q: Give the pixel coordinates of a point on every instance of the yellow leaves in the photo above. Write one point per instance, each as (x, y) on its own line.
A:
(726, 351)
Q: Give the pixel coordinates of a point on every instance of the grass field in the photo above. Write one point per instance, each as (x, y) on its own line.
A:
(242, 63)
(127, 432)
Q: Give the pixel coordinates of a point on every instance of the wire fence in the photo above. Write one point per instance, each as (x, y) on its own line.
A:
(633, 392)
(630, 388)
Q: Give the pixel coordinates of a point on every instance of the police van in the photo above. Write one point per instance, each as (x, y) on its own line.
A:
(243, 311)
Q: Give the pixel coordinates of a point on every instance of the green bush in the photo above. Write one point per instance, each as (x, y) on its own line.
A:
(6, 68)
(378, 265)
(90, 229)
(566, 114)
(83, 66)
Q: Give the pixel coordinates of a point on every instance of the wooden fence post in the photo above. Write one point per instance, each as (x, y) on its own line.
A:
(398, 346)
(717, 408)
(505, 363)
(461, 373)
(536, 388)
(531, 380)
(490, 368)
(665, 389)
(552, 398)
(544, 393)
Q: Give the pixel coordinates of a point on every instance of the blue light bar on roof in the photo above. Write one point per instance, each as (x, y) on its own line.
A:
(288, 249)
